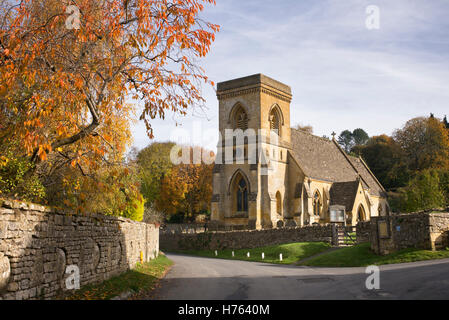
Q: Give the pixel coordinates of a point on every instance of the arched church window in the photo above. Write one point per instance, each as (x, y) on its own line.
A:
(278, 203)
(361, 215)
(240, 119)
(317, 203)
(275, 124)
(242, 196)
(379, 209)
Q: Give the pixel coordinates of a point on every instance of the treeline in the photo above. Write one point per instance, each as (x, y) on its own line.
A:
(146, 184)
(95, 176)
(177, 193)
(412, 164)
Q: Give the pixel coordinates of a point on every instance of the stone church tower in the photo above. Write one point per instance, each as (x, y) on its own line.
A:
(267, 174)
(252, 194)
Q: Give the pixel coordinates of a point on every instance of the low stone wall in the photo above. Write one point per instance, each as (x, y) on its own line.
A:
(37, 244)
(363, 230)
(183, 228)
(423, 230)
(243, 239)
(439, 230)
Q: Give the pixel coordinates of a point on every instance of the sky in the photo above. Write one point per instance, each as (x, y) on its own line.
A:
(343, 75)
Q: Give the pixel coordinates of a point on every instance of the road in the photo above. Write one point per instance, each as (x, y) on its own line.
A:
(197, 278)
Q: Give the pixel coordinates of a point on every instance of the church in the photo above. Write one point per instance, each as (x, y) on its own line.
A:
(297, 179)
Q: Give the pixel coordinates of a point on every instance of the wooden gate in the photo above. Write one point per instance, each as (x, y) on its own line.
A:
(343, 235)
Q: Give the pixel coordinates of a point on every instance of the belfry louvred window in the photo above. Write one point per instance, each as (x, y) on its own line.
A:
(274, 120)
(241, 119)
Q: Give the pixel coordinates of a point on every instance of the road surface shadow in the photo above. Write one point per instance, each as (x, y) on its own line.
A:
(287, 282)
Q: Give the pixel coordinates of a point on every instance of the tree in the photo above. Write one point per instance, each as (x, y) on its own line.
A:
(425, 142)
(346, 140)
(64, 90)
(385, 158)
(13, 179)
(186, 189)
(424, 192)
(154, 163)
(445, 122)
(66, 94)
(360, 137)
(134, 209)
(444, 183)
(111, 190)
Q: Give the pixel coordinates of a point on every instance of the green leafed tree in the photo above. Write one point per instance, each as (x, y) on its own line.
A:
(348, 140)
(345, 140)
(154, 163)
(386, 159)
(423, 192)
(360, 137)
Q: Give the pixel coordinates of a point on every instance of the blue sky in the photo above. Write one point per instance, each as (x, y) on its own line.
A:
(342, 75)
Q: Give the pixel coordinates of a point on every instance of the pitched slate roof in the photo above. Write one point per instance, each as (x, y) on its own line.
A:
(323, 159)
(320, 158)
(343, 193)
(368, 177)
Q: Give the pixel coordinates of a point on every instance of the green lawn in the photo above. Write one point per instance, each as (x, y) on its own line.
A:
(361, 255)
(141, 279)
(291, 252)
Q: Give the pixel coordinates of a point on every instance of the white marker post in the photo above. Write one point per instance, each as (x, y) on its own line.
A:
(232, 253)
(263, 255)
(247, 254)
(216, 253)
(280, 256)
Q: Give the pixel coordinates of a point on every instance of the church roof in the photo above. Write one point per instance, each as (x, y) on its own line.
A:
(343, 193)
(368, 177)
(322, 159)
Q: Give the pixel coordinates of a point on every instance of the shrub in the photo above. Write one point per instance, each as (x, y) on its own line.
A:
(135, 209)
(15, 181)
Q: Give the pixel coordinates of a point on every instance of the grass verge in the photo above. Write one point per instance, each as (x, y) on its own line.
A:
(141, 279)
(361, 255)
(291, 252)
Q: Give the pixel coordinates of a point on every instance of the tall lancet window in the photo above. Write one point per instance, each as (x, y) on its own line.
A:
(317, 203)
(275, 121)
(240, 119)
(242, 196)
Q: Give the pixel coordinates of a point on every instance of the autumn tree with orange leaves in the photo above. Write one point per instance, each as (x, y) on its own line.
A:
(66, 94)
(186, 189)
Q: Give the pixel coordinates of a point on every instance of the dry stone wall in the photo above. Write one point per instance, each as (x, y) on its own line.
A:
(363, 231)
(243, 239)
(422, 230)
(37, 244)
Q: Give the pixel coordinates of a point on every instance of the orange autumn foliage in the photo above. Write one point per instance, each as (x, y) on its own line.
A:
(65, 91)
(186, 189)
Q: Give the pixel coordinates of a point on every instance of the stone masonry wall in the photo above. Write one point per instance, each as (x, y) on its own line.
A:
(439, 230)
(37, 244)
(421, 230)
(243, 239)
(363, 231)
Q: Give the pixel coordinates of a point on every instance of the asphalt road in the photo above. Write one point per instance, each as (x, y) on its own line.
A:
(193, 278)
